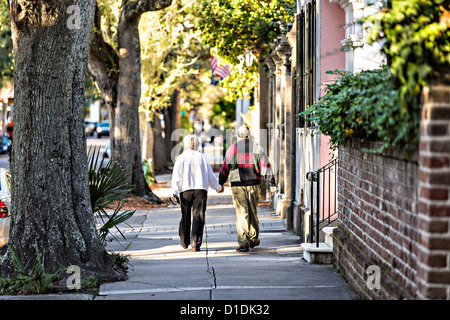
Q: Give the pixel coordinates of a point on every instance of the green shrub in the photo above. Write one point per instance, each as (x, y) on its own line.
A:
(365, 106)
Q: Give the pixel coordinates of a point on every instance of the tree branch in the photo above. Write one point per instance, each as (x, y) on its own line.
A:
(103, 64)
(135, 8)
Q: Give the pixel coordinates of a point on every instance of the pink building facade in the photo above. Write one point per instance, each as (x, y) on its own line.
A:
(297, 78)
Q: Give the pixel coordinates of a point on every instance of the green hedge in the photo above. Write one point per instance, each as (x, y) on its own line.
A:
(366, 107)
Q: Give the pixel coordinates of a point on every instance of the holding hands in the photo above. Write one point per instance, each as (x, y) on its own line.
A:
(221, 189)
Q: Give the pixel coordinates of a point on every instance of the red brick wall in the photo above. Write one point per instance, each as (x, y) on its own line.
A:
(434, 189)
(395, 213)
(378, 221)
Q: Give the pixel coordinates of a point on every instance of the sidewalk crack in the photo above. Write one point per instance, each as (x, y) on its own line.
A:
(209, 268)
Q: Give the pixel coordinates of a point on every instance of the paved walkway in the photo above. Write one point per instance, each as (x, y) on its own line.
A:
(162, 270)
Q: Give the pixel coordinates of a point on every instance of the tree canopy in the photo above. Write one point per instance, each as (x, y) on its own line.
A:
(232, 28)
(6, 46)
(170, 51)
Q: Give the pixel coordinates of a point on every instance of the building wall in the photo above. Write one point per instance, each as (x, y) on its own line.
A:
(358, 54)
(6, 106)
(378, 221)
(395, 212)
(312, 150)
(332, 57)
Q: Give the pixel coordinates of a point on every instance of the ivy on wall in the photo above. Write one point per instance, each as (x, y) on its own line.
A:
(364, 106)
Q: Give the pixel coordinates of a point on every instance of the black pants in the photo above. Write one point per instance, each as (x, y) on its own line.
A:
(192, 201)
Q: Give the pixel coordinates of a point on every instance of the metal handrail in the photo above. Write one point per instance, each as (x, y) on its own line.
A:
(316, 176)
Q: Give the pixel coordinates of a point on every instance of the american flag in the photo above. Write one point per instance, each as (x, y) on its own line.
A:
(220, 71)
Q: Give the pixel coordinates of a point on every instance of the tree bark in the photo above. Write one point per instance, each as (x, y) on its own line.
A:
(123, 86)
(159, 152)
(125, 121)
(172, 122)
(50, 192)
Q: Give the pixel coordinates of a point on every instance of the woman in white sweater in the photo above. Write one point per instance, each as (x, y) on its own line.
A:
(192, 176)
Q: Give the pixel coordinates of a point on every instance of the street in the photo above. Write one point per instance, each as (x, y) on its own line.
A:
(95, 142)
(91, 142)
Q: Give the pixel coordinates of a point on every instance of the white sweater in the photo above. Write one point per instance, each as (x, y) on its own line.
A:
(192, 171)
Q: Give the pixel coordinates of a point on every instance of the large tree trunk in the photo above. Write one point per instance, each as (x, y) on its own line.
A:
(126, 143)
(119, 79)
(50, 193)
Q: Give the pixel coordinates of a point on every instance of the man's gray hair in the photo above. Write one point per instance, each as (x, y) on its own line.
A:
(191, 142)
(243, 131)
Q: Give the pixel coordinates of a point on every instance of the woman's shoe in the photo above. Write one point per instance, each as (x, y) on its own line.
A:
(195, 249)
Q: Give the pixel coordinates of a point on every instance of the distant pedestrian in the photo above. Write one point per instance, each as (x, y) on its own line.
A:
(245, 164)
(192, 176)
(203, 140)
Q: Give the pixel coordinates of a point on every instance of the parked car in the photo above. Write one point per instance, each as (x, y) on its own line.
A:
(102, 129)
(5, 205)
(5, 145)
(90, 127)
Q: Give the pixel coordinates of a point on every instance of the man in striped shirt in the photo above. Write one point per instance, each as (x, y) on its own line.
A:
(245, 164)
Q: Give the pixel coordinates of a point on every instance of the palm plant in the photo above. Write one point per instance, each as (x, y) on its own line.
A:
(107, 185)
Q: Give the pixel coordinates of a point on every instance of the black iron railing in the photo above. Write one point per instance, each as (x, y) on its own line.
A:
(323, 187)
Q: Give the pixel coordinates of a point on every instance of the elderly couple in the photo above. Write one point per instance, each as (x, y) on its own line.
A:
(245, 164)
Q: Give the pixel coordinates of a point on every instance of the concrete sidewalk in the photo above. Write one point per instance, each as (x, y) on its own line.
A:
(162, 270)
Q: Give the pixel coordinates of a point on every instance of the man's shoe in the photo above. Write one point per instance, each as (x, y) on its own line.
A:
(254, 243)
(243, 248)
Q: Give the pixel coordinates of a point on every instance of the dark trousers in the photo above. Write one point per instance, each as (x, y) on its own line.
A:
(192, 201)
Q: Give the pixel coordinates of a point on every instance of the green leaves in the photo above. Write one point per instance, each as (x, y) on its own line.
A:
(107, 184)
(29, 276)
(365, 106)
(6, 46)
(171, 54)
(234, 27)
(416, 42)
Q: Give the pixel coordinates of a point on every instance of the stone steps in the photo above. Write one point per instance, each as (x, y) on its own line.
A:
(323, 254)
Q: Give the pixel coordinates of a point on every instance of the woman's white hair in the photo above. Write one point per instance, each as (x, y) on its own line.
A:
(191, 142)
